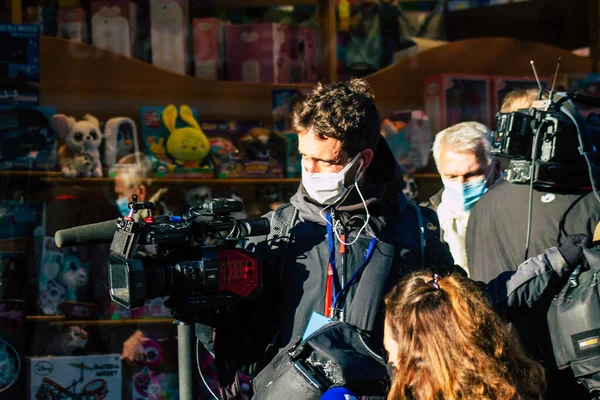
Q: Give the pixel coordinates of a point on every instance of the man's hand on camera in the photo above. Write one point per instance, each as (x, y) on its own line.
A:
(572, 248)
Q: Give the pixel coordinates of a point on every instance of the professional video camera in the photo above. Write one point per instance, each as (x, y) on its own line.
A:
(551, 144)
(193, 275)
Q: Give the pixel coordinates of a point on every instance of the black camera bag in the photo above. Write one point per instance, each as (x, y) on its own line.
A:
(574, 323)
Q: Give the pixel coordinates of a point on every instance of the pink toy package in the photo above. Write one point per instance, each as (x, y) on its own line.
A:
(72, 25)
(114, 25)
(258, 53)
(209, 48)
(303, 55)
(450, 99)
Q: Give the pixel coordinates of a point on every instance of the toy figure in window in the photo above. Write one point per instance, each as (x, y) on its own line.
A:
(188, 146)
(79, 155)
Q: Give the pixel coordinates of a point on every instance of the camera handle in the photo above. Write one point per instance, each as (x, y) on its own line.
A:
(184, 352)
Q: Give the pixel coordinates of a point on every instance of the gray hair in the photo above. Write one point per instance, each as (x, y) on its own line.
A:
(135, 169)
(468, 136)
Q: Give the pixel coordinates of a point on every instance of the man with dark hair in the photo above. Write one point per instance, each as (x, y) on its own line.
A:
(348, 234)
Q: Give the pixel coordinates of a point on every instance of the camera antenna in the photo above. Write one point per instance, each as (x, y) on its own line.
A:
(537, 79)
(554, 80)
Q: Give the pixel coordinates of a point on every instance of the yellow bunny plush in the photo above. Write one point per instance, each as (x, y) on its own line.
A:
(188, 146)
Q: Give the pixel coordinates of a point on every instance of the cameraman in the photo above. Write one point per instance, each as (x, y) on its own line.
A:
(496, 238)
(349, 211)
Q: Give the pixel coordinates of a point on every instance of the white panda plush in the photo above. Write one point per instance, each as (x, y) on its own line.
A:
(78, 137)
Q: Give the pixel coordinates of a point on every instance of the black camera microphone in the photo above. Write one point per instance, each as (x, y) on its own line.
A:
(98, 233)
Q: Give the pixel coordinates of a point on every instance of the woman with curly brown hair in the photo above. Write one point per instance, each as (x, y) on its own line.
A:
(445, 342)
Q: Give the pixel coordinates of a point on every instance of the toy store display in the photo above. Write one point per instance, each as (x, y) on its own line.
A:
(28, 140)
(450, 99)
(75, 377)
(224, 137)
(168, 35)
(120, 140)
(284, 102)
(408, 133)
(258, 53)
(114, 25)
(79, 154)
(63, 280)
(175, 143)
(263, 151)
(12, 348)
(209, 48)
(72, 25)
(19, 64)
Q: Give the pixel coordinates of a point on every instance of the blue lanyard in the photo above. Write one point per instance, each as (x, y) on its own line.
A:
(331, 240)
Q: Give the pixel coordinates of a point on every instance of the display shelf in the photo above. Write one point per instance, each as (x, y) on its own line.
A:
(177, 181)
(44, 318)
(114, 322)
(256, 3)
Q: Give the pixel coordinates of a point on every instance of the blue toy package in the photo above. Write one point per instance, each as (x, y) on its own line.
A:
(20, 64)
(284, 101)
(293, 166)
(175, 143)
(19, 220)
(223, 137)
(27, 138)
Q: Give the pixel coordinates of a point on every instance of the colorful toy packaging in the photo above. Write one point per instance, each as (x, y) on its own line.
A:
(293, 160)
(408, 133)
(209, 48)
(64, 280)
(82, 377)
(450, 99)
(27, 138)
(284, 101)
(263, 151)
(20, 64)
(223, 137)
(168, 32)
(72, 25)
(175, 143)
(12, 348)
(114, 25)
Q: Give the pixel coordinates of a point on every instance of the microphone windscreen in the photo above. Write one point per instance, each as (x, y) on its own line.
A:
(338, 393)
(100, 232)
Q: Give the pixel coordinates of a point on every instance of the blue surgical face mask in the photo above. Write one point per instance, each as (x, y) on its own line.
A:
(123, 205)
(463, 196)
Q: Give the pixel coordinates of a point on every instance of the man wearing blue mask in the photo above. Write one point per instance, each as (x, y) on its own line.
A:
(335, 249)
(462, 156)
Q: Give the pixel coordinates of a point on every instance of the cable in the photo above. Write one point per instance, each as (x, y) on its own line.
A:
(530, 206)
(200, 370)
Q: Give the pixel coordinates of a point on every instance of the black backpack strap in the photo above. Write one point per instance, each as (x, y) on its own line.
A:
(283, 219)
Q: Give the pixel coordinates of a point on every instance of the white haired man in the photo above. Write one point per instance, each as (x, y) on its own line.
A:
(467, 168)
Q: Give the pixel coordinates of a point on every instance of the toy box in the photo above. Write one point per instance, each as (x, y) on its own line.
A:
(168, 35)
(175, 142)
(408, 133)
(27, 138)
(64, 280)
(81, 377)
(120, 140)
(224, 137)
(12, 348)
(502, 85)
(114, 25)
(209, 48)
(258, 53)
(72, 25)
(284, 102)
(303, 55)
(263, 151)
(19, 64)
(450, 99)
(293, 160)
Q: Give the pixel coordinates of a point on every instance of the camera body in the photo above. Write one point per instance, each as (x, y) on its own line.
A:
(544, 145)
(193, 275)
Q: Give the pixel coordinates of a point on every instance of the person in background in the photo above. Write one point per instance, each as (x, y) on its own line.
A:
(445, 341)
(467, 168)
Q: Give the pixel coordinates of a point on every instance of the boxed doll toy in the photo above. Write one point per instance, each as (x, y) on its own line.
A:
(209, 48)
(224, 137)
(258, 53)
(114, 25)
(81, 377)
(20, 64)
(450, 99)
(175, 143)
(168, 35)
(408, 133)
(72, 25)
(27, 138)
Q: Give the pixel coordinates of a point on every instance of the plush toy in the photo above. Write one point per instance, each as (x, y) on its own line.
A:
(78, 137)
(69, 342)
(261, 144)
(188, 145)
(197, 196)
(120, 140)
